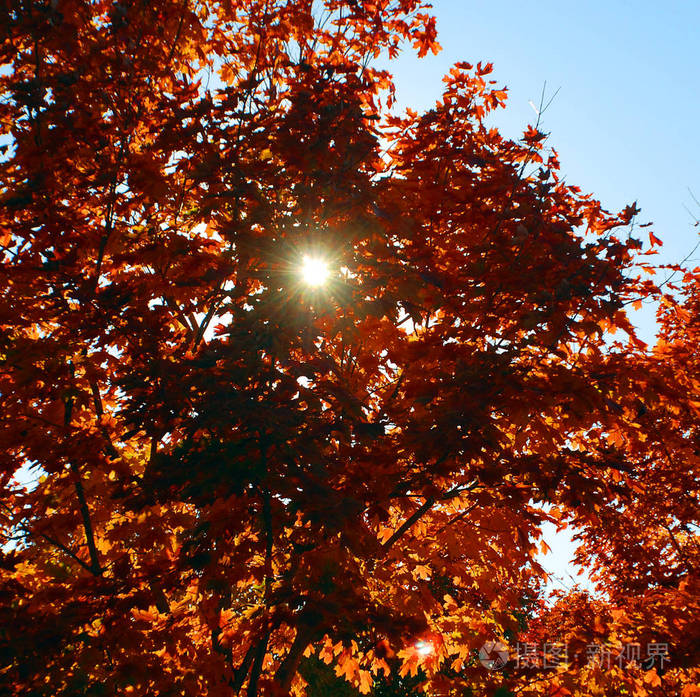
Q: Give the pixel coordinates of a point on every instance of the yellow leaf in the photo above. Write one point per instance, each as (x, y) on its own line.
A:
(365, 681)
(652, 678)
(423, 572)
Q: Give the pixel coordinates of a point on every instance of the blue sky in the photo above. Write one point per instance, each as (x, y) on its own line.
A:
(625, 120)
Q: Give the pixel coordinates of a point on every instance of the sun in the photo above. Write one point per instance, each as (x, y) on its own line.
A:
(314, 271)
(424, 648)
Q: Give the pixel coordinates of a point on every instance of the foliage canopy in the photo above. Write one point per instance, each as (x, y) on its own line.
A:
(233, 469)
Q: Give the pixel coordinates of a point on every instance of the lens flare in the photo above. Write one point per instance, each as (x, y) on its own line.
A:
(424, 648)
(314, 271)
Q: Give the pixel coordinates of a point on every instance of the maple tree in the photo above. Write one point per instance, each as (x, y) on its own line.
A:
(643, 546)
(232, 469)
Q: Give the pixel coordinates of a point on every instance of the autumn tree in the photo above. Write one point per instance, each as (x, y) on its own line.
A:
(643, 546)
(212, 468)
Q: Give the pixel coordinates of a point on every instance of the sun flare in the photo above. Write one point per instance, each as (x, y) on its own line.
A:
(314, 271)
(424, 648)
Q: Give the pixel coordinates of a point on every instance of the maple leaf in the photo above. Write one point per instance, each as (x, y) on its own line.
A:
(654, 240)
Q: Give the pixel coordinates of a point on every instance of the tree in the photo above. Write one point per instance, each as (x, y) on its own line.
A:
(643, 546)
(234, 469)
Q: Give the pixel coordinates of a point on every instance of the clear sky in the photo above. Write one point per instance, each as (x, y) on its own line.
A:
(625, 120)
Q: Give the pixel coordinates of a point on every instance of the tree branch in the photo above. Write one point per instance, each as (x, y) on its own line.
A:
(240, 673)
(87, 524)
(288, 668)
(52, 541)
(77, 483)
(257, 664)
(417, 514)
